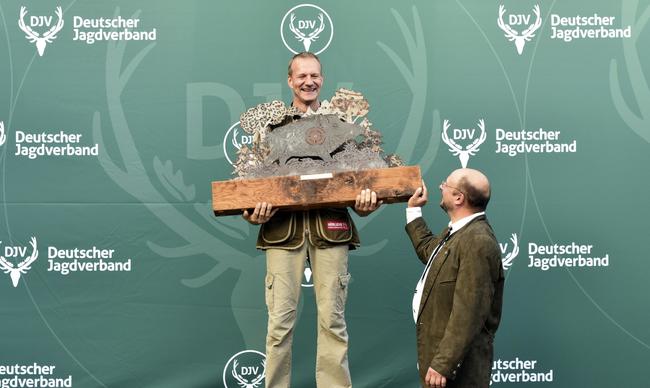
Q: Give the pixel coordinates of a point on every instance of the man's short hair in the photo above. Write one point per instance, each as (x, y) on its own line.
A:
(474, 197)
(304, 54)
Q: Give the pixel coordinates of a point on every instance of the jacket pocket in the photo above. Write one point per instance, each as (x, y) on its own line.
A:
(280, 228)
(334, 225)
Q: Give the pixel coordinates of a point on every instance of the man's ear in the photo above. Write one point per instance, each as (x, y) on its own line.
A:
(289, 82)
(460, 199)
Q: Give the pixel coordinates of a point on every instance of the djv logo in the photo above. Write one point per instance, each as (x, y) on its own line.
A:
(306, 27)
(18, 252)
(520, 38)
(41, 40)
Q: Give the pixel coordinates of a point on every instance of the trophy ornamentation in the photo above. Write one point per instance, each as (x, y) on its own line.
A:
(320, 158)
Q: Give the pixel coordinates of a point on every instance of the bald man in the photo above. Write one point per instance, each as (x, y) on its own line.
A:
(458, 297)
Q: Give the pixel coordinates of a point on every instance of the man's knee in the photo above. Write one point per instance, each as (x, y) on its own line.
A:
(331, 303)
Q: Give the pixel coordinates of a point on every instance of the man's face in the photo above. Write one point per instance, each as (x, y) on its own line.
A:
(449, 193)
(305, 80)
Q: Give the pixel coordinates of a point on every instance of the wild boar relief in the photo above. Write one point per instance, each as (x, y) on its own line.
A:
(336, 137)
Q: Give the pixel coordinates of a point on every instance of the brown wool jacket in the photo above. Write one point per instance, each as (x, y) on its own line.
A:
(325, 228)
(461, 302)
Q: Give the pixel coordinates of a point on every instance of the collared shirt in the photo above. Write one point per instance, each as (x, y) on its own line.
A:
(411, 214)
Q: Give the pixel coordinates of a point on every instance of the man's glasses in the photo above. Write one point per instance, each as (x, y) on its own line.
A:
(444, 184)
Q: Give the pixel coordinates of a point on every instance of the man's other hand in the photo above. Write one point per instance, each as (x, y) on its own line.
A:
(262, 213)
(435, 379)
(419, 198)
(366, 202)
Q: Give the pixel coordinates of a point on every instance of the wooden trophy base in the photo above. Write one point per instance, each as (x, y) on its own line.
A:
(301, 192)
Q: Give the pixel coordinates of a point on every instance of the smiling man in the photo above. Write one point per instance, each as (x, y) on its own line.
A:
(305, 79)
(323, 236)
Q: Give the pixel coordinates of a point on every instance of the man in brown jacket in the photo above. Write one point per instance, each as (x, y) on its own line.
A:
(457, 301)
(323, 235)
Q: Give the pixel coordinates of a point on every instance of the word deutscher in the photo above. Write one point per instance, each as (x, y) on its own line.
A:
(118, 22)
(43, 137)
(34, 369)
(76, 253)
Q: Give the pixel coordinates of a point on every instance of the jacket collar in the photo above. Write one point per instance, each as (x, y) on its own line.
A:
(456, 226)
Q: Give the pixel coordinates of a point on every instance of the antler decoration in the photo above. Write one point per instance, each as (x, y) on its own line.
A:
(51, 34)
(299, 35)
(455, 148)
(256, 381)
(473, 148)
(529, 32)
(510, 33)
(507, 261)
(5, 265)
(134, 179)
(634, 111)
(31, 34)
(314, 34)
(25, 265)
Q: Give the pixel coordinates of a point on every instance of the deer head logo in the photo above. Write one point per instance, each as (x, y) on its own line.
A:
(34, 37)
(526, 35)
(312, 36)
(457, 150)
(250, 374)
(244, 383)
(306, 27)
(15, 271)
(233, 140)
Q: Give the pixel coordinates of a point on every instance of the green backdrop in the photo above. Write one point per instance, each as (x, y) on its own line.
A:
(172, 296)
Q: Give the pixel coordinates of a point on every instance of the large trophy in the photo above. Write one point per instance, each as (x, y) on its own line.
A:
(308, 160)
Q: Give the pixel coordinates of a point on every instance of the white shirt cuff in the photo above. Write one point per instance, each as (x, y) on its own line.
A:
(412, 213)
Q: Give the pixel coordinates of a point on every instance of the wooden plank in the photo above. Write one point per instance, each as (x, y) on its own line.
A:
(338, 189)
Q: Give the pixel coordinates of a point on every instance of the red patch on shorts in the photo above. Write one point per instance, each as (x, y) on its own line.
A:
(337, 225)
